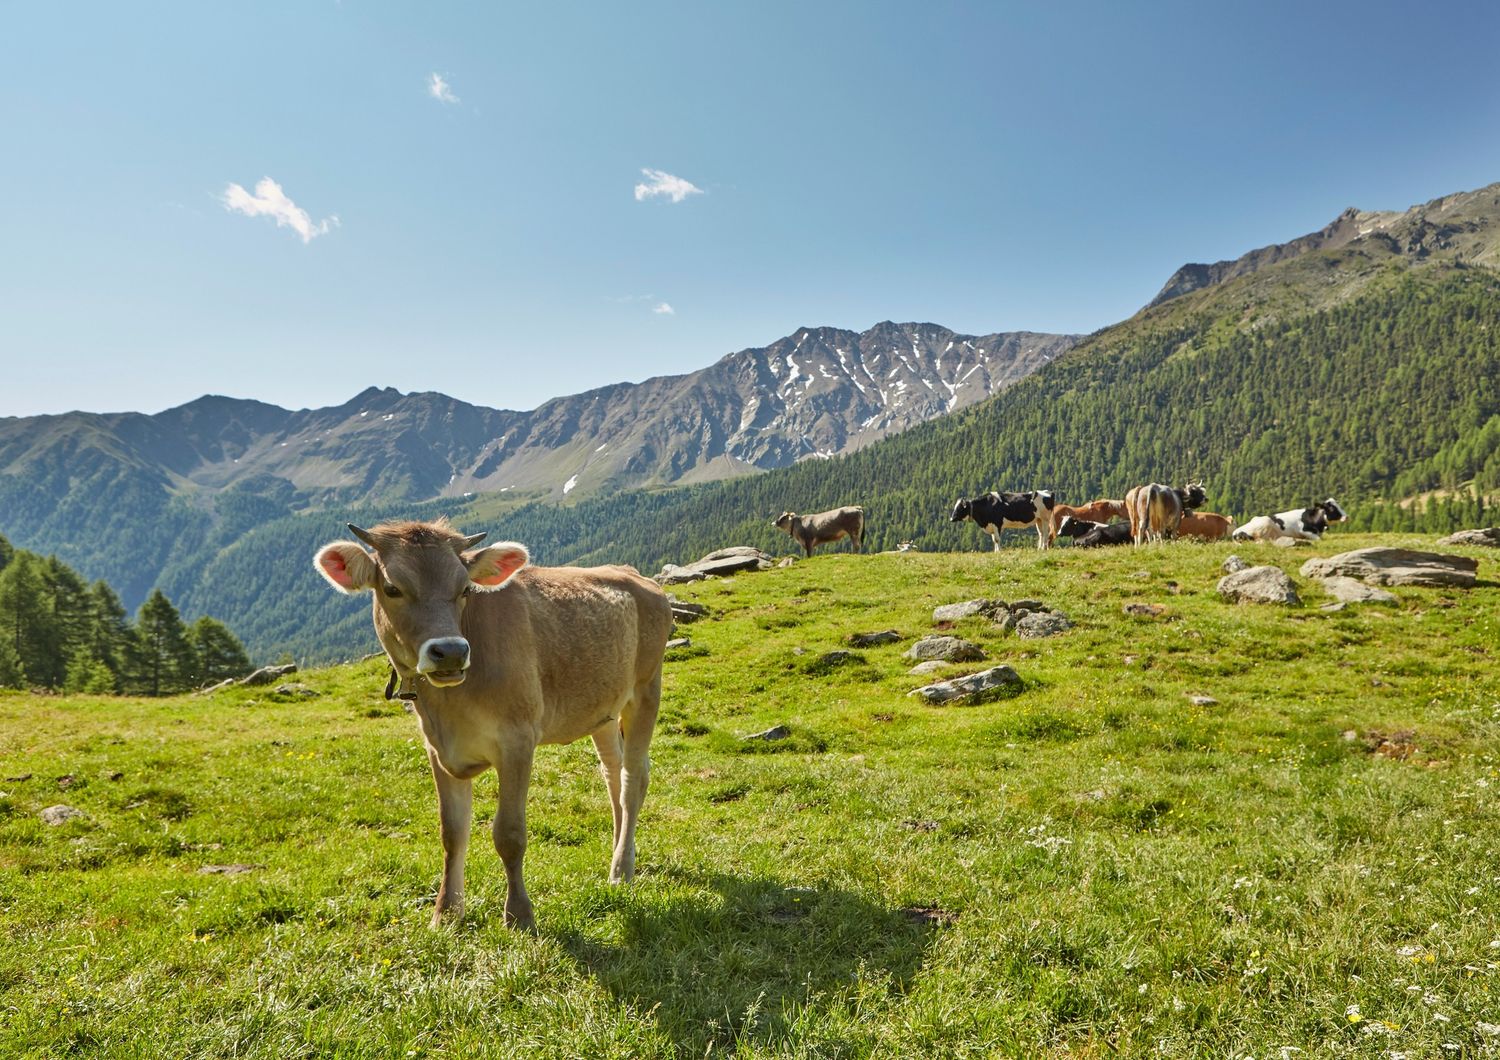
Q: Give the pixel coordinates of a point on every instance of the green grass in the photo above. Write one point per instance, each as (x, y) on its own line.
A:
(1094, 867)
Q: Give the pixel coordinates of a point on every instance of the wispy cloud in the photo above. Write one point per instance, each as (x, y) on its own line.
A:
(439, 89)
(664, 309)
(270, 201)
(659, 182)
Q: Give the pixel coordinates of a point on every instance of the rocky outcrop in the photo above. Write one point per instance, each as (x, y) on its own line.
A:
(1396, 566)
(717, 564)
(1486, 538)
(1259, 585)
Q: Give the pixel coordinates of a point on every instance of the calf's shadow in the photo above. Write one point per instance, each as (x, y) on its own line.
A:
(738, 958)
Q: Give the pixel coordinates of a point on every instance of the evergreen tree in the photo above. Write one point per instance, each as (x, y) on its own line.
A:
(218, 652)
(110, 625)
(27, 623)
(88, 673)
(7, 552)
(166, 663)
(11, 673)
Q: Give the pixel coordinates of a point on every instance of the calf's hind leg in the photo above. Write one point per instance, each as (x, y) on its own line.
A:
(637, 722)
(611, 748)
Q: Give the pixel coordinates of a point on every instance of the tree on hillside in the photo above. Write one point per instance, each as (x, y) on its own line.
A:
(7, 552)
(165, 662)
(112, 638)
(27, 623)
(72, 612)
(218, 652)
(11, 673)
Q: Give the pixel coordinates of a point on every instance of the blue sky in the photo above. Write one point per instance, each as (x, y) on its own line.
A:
(988, 167)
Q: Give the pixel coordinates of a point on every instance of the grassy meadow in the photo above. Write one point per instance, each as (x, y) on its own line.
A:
(1095, 866)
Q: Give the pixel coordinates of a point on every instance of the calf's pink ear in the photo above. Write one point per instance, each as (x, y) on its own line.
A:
(490, 568)
(347, 566)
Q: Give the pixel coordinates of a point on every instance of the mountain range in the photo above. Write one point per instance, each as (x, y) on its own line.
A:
(1362, 360)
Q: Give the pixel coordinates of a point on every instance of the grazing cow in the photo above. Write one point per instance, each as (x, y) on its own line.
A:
(824, 528)
(1101, 535)
(995, 512)
(504, 657)
(1205, 526)
(1156, 510)
(1299, 524)
(1100, 511)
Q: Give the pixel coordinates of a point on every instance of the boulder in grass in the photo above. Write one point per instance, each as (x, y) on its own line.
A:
(1259, 585)
(1233, 565)
(56, 815)
(929, 667)
(1350, 591)
(949, 649)
(1396, 566)
(871, 640)
(1487, 538)
(1035, 624)
(997, 677)
(966, 609)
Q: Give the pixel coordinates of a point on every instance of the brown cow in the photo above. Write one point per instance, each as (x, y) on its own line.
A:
(1205, 526)
(503, 659)
(1155, 511)
(810, 531)
(1099, 511)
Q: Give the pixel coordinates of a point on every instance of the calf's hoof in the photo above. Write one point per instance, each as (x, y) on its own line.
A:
(521, 919)
(450, 917)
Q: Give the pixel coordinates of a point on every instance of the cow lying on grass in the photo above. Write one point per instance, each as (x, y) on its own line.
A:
(504, 657)
(1099, 512)
(809, 531)
(1299, 524)
(1205, 526)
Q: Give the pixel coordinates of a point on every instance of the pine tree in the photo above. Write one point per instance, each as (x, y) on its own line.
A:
(166, 663)
(218, 652)
(27, 623)
(11, 673)
(110, 626)
(7, 552)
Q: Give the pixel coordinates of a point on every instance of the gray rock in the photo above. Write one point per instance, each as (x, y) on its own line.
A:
(1233, 565)
(788, 561)
(967, 609)
(59, 814)
(1396, 566)
(870, 640)
(1337, 605)
(837, 657)
(266, 674)
(775, 732)
(1487, 538)
(686, 612)
(1145, 610)
(1029, 605)
(1259, 585)
(1198, 699)
(952, 649)
(1350, 591)
(960, 687)
(1007, 621)
(679, 642)
(672, 574)
(928, 667)
(1042, 624)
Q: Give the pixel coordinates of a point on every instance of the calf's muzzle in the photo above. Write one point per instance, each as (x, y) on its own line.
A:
(444, 660)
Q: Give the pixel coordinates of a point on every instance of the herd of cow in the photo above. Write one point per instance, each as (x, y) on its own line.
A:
(1148, 513)
(568, 652)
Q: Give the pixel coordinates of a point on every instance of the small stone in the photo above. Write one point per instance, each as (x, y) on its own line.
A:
(953, 649)
(1350, 735)
(1042, 624)
(1007, 621)
(1140, 574)
(929, 667)
(961, 687)
(18, 778)
(870, 640)
(1337, 605)
(1145, 610)
(1198, 699)
(838, 657)
(787, 561)
(59, 814)
(1487, 538)
(966, 609)
(1350, 591)
(775, 732)
(1259, 585)
(1233, 565)
(680, 642)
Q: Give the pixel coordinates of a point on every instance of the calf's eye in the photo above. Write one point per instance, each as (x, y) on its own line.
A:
(392, 592)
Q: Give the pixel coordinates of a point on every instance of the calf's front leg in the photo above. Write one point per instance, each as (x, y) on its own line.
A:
(510, 832)
(456, 817)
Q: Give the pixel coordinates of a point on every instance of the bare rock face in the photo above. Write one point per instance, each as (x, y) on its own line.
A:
(1002, 677)
(1259, 585)
(1349, 591)
(1487, 538)
(949, 649)
(1396, 566)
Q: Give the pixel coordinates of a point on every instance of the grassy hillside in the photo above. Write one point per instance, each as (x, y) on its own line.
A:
(1093, 867)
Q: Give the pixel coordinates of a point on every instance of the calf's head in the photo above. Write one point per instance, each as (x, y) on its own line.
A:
(1333, 511)
(961, 511)
(784, 521)
(421, 575)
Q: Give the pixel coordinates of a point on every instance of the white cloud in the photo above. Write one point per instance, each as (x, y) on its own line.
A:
(439, 89)
(663, 309)
(270, 201)
(661, 183)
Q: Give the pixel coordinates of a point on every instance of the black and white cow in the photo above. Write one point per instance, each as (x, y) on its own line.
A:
(1094, 535)
(1299, 524)
(995, 512)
